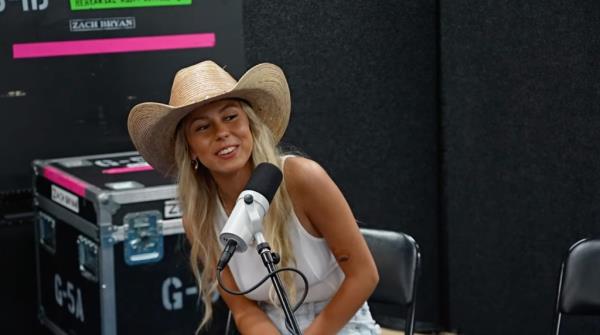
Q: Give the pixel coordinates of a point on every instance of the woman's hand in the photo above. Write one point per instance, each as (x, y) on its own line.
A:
(249, 318)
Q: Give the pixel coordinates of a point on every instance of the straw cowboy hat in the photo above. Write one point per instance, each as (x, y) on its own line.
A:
(152, 125)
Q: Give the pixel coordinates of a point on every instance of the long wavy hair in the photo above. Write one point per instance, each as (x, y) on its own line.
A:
(198, 196)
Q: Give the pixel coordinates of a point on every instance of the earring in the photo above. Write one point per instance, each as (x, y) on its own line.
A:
(195, 164)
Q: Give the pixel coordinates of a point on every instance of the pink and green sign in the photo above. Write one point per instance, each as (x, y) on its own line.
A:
(112, 4)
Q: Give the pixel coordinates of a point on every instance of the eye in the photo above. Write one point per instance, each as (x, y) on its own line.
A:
(230, 117)
(200, 127)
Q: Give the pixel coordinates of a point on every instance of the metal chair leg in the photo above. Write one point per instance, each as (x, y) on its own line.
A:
(557, 313)
(410, 320)
(228, 325)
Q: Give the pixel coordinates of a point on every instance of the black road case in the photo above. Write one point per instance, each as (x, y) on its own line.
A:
(111, 253)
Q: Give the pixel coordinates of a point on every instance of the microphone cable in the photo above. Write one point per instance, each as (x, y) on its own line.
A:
(260, 282)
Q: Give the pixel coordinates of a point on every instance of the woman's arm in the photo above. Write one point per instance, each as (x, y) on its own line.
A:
(249, 318)
(323, 207)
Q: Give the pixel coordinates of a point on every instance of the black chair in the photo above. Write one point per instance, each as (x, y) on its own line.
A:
(398, 261)
(579, 283)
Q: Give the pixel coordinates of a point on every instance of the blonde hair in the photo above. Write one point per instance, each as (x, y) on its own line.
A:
(198, 197)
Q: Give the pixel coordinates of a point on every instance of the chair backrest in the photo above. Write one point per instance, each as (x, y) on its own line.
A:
(579, 283)
(398, 261)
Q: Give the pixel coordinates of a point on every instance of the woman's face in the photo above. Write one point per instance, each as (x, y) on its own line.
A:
(218, 134)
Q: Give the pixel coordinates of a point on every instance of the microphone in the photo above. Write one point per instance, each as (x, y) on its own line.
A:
(251, 206)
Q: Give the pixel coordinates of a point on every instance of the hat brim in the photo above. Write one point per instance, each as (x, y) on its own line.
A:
(152, 125)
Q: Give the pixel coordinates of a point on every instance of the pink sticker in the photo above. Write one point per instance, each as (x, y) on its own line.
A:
(113, 45)
(127, 169)
(60, 178)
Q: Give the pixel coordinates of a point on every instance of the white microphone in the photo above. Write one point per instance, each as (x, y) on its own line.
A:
(245, 221)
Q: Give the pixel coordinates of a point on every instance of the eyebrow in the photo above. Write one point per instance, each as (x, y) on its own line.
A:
(227, 105)
(221, 110)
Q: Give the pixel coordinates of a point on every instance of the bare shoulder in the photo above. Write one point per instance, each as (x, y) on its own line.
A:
(310, 188)
(302, 174)
(318, 199)
(307, 182)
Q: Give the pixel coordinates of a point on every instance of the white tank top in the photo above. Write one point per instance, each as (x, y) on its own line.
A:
(313, 258)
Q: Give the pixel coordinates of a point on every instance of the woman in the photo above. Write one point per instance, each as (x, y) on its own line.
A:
(210, 136)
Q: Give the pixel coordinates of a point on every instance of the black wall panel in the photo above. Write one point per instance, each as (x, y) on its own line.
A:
(521, 123)
(363, 82)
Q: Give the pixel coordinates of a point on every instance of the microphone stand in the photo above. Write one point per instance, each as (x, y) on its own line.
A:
(269, 259)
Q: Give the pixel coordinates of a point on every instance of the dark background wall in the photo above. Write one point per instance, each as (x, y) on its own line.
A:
(521, 126)
(518, 178)
(363, 83)
(363, 78)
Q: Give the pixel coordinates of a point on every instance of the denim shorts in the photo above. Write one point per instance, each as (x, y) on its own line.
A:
(361, 323)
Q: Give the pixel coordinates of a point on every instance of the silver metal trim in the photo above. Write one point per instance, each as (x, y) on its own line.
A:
(41, 215)
(58, 160)
(142, 195)
(104, 203)
(53, 327)
(172, 227)
(124, 185)
(84, 247)
(108, 313)
(35, 165)
(68, 217)
(114, 234)
(106, 276)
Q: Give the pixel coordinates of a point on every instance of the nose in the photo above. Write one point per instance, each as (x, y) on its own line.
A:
(221, 130)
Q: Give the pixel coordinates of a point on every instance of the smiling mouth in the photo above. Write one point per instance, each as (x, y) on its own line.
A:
(225, 151)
